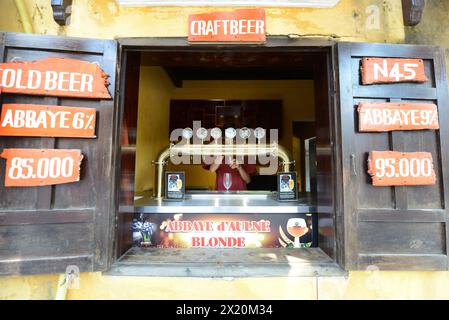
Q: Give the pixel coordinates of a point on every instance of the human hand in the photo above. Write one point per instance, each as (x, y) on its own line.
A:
(235, 164)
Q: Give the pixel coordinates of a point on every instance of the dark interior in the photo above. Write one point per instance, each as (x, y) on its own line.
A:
(233, 64)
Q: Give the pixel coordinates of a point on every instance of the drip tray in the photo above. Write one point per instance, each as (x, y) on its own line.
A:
(230, 194)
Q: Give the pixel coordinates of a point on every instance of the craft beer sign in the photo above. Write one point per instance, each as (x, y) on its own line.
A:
(47, 121)
(244, 25)
(378, 117)
(41, 167)
(55, 77)
(392, 168)
(391, 70)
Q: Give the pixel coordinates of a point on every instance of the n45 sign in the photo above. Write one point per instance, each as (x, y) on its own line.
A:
(41, 167)
(391, 70)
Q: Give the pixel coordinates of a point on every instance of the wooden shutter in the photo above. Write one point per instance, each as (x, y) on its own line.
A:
(393, 228)
(46, 229)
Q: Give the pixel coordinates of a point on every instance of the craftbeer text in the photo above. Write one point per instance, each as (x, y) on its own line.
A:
(240, 25)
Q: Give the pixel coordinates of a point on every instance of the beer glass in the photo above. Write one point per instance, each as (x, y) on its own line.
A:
(297, 227)
(227, 181)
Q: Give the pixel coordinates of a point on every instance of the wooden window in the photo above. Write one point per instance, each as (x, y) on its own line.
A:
(46, 229)
(403, 227)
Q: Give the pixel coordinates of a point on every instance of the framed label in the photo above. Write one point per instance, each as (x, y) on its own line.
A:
(47, 121)
(244, 25)
(389, 116)
(41, 167)
(392, 70)
(54, 76)
(392, 168)
(287, 186)
(174, 185)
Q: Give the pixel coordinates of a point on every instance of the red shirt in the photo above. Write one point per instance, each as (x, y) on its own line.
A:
(237, 182)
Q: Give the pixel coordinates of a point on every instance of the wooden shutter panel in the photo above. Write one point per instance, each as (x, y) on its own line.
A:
(393, 228)
(46, 229)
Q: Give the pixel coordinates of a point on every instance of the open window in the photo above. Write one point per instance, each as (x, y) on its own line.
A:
(309, 89)
(283, 85)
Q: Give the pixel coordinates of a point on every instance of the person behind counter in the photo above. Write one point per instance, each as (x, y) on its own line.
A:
(240, 172)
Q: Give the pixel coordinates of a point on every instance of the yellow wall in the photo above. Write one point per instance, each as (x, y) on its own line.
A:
(358, 285)
(152, 123)
(105, 19)
(13, 22)
(433, 28)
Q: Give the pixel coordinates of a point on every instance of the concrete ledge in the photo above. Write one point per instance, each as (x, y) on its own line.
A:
(223, 263)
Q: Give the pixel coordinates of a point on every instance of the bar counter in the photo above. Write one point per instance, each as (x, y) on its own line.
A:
(223, 202)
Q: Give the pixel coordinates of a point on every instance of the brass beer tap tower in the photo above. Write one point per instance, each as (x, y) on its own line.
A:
(185, 148)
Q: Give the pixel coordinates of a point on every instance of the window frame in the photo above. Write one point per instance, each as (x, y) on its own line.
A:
(273, 43)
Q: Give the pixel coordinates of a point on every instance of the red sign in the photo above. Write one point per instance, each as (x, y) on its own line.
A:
(47, 121)
(41, 167)
(391, 70)
(55, 77)
(388, 116)
(216, 234)
(223, 230)
(392, 168)
(245, 25)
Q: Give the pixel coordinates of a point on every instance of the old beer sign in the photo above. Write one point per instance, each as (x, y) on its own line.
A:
(55, 77)
(391, 70)
(47, 121)
(245, 25)
(388, 116)
(41, 167)
(392, 168)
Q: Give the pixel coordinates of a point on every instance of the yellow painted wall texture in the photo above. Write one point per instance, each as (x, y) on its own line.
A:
(358, 285)
(349, 20)
(107, 19)
(155, 90)
(433, 28)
